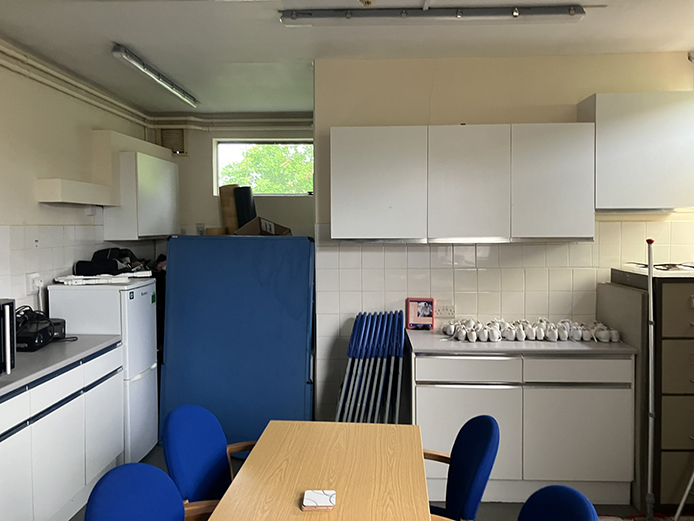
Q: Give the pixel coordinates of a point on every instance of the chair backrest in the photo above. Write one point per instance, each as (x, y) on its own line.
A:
(137, 492)
(558, 502)
(472, 459)
(195, 453)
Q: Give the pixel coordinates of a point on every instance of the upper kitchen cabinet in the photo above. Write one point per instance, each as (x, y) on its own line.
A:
(552, 172)
(378, 182)
(643, 147)
(469, 183)
(149, 199)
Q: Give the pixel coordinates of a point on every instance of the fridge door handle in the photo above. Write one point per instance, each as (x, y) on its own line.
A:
(144, 373)
(8, 339)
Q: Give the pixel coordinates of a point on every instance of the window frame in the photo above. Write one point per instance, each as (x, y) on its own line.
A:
(242, 141)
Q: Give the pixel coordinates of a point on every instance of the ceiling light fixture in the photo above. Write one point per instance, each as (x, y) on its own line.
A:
(399, 16)
(125, 54)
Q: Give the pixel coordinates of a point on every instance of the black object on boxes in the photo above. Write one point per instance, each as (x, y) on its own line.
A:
(245, 205)
(109, 261)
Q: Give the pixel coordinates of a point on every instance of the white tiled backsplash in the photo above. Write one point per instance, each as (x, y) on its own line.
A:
(50, 251)
(516, 281)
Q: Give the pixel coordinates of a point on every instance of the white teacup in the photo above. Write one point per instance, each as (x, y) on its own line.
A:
(603, 335)
(448, 329)
(587, 335)
(460, 333)
(529, 333)
(576, 334)
(562, 332)
(510, 334)
(539, 333)
(494, 335)
(483, 334)
(520, 334)
(552, 335)
(614, 335)
(472, 335)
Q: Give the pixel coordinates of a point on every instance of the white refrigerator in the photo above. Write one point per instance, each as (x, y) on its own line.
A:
(128, 310)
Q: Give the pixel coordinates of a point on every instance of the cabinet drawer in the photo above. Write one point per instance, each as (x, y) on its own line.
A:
(55, 389)
(678, 366)
(14, 411)
(677, 423)
(102, 365)
(577, 370)
(468, 369)
(678, 310)
(676, 469)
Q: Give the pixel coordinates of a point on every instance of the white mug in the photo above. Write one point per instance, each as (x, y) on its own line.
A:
(587, 335)
(448, 329)
(494, 335)
(539, 333)
(529, 332)
(603, 335)
(483, 335)
(552, 335)
(576, 334)
(460, 333)
(472, 335)
(562, 332)
(520, 334)
(614, 335)
(510, 334)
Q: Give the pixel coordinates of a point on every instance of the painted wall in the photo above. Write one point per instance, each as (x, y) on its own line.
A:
(555, 280)
(196, 177)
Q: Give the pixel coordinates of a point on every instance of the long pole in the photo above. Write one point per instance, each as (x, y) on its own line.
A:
(650, 498)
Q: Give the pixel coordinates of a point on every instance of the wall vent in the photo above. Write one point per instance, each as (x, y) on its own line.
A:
(174, 139)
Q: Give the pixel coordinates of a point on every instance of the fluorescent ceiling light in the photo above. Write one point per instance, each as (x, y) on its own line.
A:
(390, 16)
(130, 57)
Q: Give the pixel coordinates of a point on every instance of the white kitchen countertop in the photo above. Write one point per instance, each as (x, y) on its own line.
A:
(55, 356)
(434, 343)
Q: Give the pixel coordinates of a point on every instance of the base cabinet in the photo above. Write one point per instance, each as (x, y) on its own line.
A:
(103, 425)
(578, 434)
(57, 458)
(443, 410)
(15, 486)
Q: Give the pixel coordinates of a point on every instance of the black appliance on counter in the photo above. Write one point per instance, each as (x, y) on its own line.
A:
(8, 336)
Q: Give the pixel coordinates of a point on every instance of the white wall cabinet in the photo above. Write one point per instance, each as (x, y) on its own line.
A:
(643, 147)
(149, 199)
(552, 171)
(469, 180)
(57, 458)
(443, 409)
(578, 434)
(15, 477)
(378, 179)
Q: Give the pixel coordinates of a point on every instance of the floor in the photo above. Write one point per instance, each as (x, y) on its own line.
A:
(487, 511)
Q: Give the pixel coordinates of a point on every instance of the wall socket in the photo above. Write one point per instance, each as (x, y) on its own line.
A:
(444, 310)
(33, 283)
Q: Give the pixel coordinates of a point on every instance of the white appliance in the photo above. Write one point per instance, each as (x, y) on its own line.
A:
(129, 310)
(667, 270)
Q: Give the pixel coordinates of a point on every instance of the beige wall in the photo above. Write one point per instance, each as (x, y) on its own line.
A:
(196, 178)
(474, 90)
(46, 134)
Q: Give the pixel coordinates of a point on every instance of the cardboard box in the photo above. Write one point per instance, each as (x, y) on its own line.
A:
(261, 226)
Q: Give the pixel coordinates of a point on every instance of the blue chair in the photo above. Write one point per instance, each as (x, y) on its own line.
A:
(470, 464)
(136, 492)
(197, 456)
(558, 502)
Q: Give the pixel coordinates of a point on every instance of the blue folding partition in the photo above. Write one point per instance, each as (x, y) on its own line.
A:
(239, 320)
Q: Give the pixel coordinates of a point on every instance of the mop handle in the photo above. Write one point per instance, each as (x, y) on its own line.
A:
(651, 383)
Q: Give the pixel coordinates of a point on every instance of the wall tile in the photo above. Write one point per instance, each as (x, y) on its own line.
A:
(536, 304)
(418, 256)
(661, 253)
(583, 303)
(326, 279)
(611, 233)
(560, 279)
(443, 297)
(31, 260)
(329, 348)
(350, 256)
(395, 300)
(633, 233)
(395, 256)
(347, 323)
(489, 303)
(327, 257)
(466, 280)
(418, 282)
(633, 252)
(489, 279)
(464, 256)
(681, 253)
(441, 256)
(536, 279)
(584, 279)
(350, 279)
(603, 275)
(327, 302)
(373, 301)
(659, 232)
(512, 302)
(372, 256)
(328, 325)
(466, 304)
(682, 232)
(16, 238)
(373, 280)
(510, 256)
(396, 279)
(350, 302)
(560, 303)
(31, 237)
(441, 280)
(534, 255)
(5, 286)
(557, 255)
(17, 265)
(512, 279)
(580, 254)
(610, 255)
(487, 255)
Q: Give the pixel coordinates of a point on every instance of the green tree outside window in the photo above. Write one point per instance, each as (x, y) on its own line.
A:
(271, 168)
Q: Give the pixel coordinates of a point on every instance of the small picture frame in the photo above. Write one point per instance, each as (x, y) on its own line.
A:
(420, 313)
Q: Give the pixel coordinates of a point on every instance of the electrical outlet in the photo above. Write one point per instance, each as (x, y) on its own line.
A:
(33, 283)
(444, 310)
(200, 228)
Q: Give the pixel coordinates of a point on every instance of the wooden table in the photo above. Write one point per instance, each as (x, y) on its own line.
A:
(376, 470)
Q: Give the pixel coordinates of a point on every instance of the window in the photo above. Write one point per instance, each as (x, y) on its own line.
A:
(268, 168)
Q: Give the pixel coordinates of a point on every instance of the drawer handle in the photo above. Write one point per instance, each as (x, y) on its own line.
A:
(691, 438)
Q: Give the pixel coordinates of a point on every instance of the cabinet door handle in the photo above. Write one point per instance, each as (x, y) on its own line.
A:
(691, 381)
(691, 438)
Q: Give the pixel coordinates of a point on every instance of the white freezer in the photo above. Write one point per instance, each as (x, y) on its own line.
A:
(141, 427)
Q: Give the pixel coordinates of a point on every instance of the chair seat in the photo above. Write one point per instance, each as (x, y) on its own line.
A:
(439, 511)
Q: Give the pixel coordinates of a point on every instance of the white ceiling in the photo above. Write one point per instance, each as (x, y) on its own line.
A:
(235, 56)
